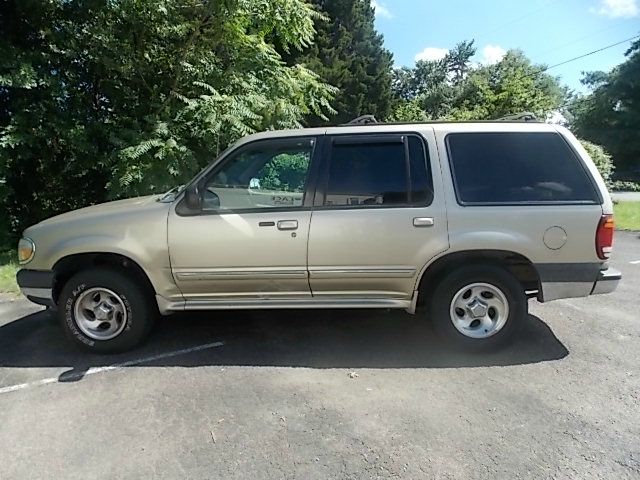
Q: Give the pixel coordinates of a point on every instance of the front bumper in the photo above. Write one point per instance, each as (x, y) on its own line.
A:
(607, 281)
(37, 285)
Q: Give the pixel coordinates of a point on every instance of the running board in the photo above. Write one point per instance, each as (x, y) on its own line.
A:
(166, 306)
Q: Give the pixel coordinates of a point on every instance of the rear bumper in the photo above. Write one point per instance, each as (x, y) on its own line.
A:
(571, 280)
(607, 281)
(37, 285)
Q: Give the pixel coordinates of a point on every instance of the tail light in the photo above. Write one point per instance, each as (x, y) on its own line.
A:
(604, 237)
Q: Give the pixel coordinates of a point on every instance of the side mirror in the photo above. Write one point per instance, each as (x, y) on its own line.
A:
(192, 198)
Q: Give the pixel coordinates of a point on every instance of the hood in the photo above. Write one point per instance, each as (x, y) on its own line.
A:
(116, 207)
(135, 227)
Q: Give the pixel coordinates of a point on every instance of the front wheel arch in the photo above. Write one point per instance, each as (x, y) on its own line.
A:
(68, 266)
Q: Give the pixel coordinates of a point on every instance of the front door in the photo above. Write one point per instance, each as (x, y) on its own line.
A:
(250, 240)
(379, 216)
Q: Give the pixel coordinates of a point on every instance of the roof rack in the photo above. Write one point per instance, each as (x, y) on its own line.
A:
(371, 120)
(361, 120)
(519, 117)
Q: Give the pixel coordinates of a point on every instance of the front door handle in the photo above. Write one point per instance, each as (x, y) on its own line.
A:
(423, 222)
(287, 224)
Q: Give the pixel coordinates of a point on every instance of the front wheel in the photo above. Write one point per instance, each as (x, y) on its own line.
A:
(479, 307)
(105, 311)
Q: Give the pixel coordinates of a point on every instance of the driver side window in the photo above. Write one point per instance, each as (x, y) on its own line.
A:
(268, 174)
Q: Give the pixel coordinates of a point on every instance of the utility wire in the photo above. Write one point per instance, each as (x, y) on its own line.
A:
(514, 20)
(584, 55)
(572, 42)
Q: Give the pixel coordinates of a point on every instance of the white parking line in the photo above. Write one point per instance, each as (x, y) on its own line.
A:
(635, 262)
(108, 368)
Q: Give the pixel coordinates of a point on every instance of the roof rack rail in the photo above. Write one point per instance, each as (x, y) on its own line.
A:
(519, 117)
(361, 120)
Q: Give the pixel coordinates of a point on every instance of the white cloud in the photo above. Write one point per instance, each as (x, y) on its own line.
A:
(617, 8)
(431, 53)
(380, 9)
(492, 54)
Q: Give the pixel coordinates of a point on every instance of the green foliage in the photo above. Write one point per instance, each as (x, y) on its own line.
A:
(601, 158)
(625, 186)
(454, 89)
(510, 86)
(431, 86)
(408, 111)
(285, 172)
(8, 270)
(349, 54)
(610, 115)
(108, 99)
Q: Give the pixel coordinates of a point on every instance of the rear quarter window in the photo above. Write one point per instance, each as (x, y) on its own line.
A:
(508, 168)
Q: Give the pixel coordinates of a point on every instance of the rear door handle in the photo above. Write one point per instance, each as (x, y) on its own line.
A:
(423, 222)
(287, 224)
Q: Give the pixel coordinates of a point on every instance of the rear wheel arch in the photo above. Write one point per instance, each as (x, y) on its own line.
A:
(68, 266)
(517, 264)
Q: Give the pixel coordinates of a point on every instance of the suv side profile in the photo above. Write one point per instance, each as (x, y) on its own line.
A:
(465, 220)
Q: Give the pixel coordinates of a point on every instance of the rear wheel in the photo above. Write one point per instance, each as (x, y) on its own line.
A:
(105, 311)
(479, 307)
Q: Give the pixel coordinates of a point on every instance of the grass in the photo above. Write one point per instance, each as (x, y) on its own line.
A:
(8, 269)
(627, 215)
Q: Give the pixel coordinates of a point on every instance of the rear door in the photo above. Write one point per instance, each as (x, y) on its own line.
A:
(379, 215)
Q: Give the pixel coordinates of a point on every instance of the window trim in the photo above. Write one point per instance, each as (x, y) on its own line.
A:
(216, 165)
(574, 154)
(322, 179)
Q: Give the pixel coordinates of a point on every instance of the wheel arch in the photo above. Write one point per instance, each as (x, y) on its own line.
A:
(516, 263)
(69, 265)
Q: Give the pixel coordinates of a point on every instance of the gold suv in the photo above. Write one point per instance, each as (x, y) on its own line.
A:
(466, 220)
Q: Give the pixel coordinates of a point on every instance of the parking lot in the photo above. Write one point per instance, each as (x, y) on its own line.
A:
(329, 394)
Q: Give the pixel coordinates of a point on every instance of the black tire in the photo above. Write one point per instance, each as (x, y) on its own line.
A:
(138, 305)
(451, 284)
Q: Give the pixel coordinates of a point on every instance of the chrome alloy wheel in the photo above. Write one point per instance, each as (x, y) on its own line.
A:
(479, 310)
(100, 313)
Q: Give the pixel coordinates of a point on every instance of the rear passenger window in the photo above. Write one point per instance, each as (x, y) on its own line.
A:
(378, 173)
(516, 168)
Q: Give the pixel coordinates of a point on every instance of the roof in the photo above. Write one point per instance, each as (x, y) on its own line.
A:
(478, 126)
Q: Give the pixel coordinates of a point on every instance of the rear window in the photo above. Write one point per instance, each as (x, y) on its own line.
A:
(517, 168)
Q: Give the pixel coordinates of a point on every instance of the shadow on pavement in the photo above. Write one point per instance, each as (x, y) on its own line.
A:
(289, 338)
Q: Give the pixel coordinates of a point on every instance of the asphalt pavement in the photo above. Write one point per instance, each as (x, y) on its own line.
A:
(329, 394)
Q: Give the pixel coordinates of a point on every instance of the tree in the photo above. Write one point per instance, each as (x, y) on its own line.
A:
(348, 53)
(454, 89)
(107, 99)
(432, 85)
(510, 86)
(610, 115)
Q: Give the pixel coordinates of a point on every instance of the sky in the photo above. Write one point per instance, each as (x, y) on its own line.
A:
(547, 31)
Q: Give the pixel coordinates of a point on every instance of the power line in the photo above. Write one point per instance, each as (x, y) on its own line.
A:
(585, 55)
(514, 20)
(572, 42)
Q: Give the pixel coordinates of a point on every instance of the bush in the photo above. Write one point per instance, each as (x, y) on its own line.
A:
(601, 158)
(625, 186)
